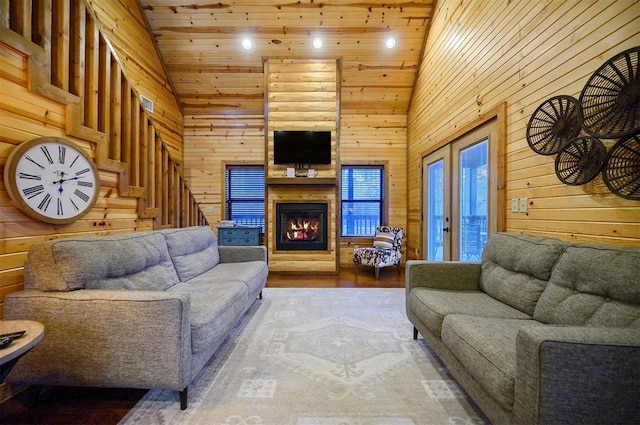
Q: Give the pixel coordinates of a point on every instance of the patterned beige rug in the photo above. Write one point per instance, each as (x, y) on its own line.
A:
(341, 356)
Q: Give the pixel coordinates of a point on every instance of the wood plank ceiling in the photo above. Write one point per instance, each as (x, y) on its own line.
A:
(200, 42)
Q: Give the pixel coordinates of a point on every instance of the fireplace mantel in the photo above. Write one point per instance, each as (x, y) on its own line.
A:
(316, 181)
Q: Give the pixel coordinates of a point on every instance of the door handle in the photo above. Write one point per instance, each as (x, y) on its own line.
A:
(445, 229)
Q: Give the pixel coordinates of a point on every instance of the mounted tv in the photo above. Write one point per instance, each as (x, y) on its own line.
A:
(302, 147)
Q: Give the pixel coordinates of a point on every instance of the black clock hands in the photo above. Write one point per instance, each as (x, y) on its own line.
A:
(62, 180)
(66, 180)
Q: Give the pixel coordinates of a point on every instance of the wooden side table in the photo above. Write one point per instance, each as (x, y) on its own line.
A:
(10, 355)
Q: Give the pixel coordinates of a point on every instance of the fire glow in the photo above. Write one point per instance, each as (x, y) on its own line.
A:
(302, 226)
(303, 230)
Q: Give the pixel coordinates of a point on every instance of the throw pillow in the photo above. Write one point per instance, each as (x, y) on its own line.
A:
(383, 240)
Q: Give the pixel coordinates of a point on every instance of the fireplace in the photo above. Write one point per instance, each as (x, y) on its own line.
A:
(301, 227)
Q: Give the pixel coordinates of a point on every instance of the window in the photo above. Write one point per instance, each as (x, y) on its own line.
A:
(362, 199)
(244, 190)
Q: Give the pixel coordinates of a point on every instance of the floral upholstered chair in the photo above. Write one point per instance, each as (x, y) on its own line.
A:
(386, 250)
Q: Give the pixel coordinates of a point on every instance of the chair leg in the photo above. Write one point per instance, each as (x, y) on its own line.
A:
(377, 272)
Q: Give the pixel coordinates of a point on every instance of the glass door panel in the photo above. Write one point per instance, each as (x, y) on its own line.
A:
(435, 215)
(436, 206)
(459, 196)
(473, 200)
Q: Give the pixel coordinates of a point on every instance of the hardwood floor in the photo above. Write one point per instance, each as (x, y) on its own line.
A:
(103, 406)
(389, 278)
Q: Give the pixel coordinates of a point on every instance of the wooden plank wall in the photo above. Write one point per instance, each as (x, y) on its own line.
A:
(125, 26)
(302, 95)
(211, 142)
(481, 53)
(84, 96)
(377, 139)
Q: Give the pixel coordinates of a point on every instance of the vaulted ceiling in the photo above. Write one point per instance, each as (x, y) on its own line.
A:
(200, 42)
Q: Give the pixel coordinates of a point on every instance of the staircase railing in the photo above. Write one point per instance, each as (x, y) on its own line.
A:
(70, 61)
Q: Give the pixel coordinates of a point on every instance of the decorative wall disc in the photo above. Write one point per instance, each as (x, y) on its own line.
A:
(553, 124)
(580, 160)
(622, 168)
(610, 100)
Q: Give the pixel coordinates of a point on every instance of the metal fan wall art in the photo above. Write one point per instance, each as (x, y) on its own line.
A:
(553, 124)
(610, 100)
(622, 170)
(580, 160)
(608, 108)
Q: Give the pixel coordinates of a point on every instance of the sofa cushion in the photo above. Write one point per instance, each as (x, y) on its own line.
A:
(129, 261)
(593, 285)
(215, 307)
(516, 268)
(433, 305)
(486, 348)
(194, 250)
(252, 274)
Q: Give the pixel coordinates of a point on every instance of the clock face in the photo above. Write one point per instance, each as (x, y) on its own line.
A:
(52, 180)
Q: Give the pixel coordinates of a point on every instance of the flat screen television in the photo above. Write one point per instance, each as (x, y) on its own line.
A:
(302, 147)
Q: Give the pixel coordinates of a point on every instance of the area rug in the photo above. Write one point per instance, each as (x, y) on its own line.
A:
(301, 356)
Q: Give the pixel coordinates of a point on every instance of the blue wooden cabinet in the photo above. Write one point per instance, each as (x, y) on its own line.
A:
(242, 236)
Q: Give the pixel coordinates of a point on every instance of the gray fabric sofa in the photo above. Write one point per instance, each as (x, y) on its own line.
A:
(541, 331)
(139, 310)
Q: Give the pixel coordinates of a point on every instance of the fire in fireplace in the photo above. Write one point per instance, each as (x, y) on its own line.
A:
(302, 229)
(301, 226)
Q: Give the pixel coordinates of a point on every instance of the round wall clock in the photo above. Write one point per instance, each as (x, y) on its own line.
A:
(52, 180)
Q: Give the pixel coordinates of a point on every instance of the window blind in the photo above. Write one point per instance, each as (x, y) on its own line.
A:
(362, 199)
(244, 188)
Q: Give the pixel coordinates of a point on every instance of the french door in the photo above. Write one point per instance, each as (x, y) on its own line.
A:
(460, 196)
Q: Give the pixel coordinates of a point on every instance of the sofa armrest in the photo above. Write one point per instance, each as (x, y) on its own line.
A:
(241, 254)
(449, 275)
(134, 339)
(577, 374)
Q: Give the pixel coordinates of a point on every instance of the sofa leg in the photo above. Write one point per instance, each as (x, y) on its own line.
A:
(260, 295)
(377, 272)
(415, 333)
(356, 269)
(183, 399)
(33, 395)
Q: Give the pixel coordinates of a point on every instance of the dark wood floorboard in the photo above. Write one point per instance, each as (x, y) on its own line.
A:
(104, 406)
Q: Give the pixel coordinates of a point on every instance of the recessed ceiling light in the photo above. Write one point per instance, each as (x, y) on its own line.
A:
(247, 44)
(390, 42)
(317, 42)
